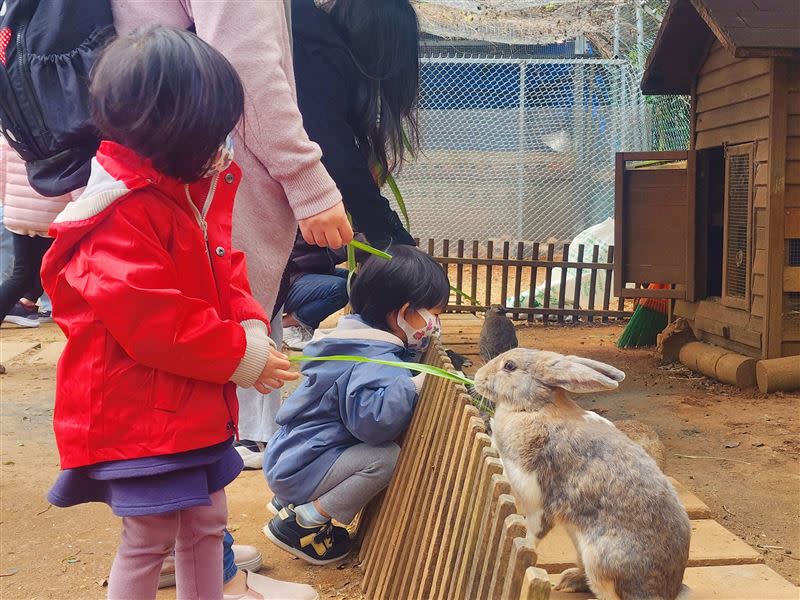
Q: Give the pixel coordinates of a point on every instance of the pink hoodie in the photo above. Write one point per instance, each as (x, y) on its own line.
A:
(283, 178)
(25, 211)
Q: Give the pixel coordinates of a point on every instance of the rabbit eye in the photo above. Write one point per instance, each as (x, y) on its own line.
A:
(510, 366)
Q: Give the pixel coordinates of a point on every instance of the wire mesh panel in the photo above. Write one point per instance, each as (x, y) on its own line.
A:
(522, 149)
(791, 310)
(516, 149)
(738, 189)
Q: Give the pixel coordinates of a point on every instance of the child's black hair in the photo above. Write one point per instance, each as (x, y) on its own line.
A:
(169, 96)
(383, 286)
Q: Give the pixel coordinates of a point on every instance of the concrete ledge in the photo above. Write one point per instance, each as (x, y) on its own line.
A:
(738, 582)
(711, 545)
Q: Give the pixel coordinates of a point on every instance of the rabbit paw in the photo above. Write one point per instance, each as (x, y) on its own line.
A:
(573, 580)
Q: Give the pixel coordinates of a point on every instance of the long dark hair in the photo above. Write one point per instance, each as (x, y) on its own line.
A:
(167, 95)
(383, 38)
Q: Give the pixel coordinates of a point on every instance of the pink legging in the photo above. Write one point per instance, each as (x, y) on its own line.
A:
(195, 533)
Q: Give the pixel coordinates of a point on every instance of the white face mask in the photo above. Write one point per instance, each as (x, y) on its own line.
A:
(420, 339)
(222, 159)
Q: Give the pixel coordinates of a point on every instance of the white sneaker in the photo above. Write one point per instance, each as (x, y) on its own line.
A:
(252, 453)
(297, 338)
(247, 558)
(259, 586)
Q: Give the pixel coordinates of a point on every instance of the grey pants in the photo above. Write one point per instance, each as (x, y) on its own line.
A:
(355, 478)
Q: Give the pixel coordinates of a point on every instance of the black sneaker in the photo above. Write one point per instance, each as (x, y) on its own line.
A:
(274, 506)
(23, 316)
(321, 545)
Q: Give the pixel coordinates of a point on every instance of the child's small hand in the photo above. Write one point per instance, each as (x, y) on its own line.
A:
(275, 372)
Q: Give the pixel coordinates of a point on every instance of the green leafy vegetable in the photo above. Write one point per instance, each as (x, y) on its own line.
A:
(401, 203)
(464, 294)
(356, 245)
(419, 367)
(407, 143)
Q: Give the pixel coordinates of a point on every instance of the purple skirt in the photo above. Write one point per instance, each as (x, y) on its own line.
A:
(151, 485)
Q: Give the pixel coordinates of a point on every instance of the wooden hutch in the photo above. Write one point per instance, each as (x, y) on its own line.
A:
(721, 220)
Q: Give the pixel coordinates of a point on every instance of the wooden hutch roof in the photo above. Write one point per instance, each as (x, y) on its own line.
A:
(747, 28)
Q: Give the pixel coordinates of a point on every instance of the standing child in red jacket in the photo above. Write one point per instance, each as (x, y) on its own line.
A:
(161, 325)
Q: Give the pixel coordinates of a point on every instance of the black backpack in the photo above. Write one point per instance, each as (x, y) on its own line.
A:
(47, 50)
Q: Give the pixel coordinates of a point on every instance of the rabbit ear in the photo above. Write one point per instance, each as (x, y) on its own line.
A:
(580, 378)
(607, 370)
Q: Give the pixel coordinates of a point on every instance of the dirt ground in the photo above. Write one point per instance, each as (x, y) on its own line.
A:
(751, 483)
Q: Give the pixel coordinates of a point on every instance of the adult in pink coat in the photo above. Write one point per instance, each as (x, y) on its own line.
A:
(284, 183)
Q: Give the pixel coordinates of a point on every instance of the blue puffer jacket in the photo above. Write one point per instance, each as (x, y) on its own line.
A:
(338, 405)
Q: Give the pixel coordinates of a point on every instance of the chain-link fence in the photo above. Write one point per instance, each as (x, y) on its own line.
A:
(522, 147)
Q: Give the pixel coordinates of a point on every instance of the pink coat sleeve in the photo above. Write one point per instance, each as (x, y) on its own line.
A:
(254, 37)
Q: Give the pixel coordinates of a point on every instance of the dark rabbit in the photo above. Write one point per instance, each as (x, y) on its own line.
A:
(497, 334)
(571, 467)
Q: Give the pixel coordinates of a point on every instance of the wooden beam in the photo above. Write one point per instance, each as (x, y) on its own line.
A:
(669, 155)
(791, 279)
(691, 205)
(791, 222)
(778, 123)
(719, 32)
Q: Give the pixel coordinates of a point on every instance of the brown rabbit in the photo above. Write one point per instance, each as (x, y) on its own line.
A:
(571, 467)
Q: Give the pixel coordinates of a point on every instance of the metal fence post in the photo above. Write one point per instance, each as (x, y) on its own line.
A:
(521, 150)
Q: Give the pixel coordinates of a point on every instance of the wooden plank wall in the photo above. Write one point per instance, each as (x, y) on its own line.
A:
(447, 526)
(791, 279)
(732, 107)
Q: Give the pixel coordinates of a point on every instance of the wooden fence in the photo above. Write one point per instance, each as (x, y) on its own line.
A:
(447, 526)
(491, 275)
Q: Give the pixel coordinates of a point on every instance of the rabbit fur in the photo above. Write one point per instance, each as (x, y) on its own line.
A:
(574, 468)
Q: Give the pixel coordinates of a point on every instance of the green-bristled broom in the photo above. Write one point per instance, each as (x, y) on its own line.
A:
(648, 320)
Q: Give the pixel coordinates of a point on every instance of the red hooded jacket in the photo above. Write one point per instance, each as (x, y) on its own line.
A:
(157, 310)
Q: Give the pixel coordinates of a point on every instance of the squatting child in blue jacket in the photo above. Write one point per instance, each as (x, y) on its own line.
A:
(335, 449)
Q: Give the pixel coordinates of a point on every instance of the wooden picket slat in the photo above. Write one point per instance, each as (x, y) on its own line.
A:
(513, 528)
(518, 277)
(532, 286)
(473, 290)
(576, 297)
(535, 585)
(548, 282)
(460, 271)
(445, 255)
(562, 291)
(593, 282)
(506, 506)
(504, 275)
(489, 272)
(607, 289)
(522, 554)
